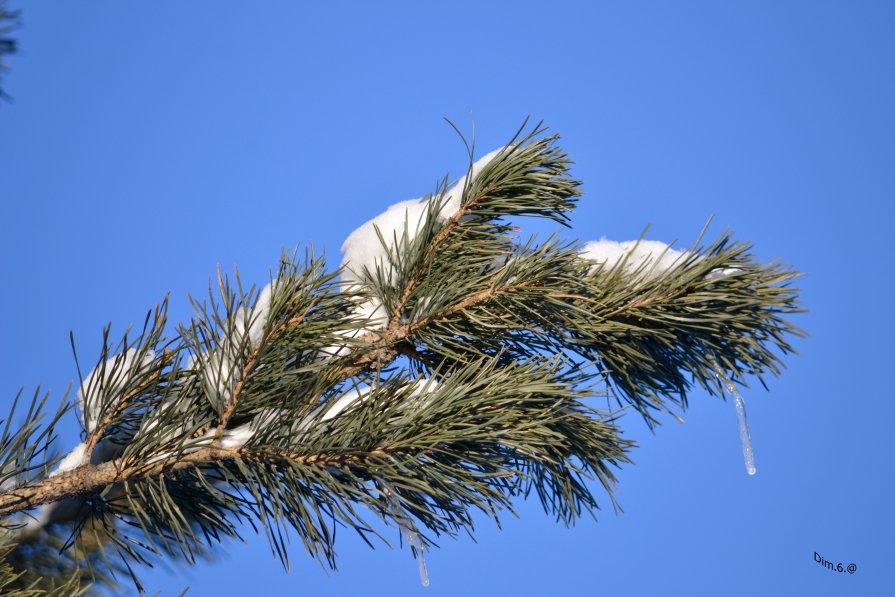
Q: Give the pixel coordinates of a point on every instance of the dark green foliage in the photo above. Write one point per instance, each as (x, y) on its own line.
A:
(476, 391)
(9, 21)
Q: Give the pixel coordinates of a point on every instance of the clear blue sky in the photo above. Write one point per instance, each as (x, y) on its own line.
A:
(149, 142)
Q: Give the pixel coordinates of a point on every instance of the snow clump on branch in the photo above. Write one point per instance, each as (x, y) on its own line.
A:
(72, 460)
(252, 323)
(221, 367)
(454, 197)
(642, 260)
(368, 248)
(103, 387)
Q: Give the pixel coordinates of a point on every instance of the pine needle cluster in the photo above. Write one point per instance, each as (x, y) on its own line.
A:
(286, 409)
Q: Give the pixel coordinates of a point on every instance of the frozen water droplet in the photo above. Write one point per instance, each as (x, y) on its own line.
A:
(740, 406)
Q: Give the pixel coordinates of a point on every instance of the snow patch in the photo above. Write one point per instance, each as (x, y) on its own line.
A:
(237, 437)
(454, 196)
(252, 322)
(346, 400)
(109, 379)
(644, 260)
(72, 460)
(364, 253)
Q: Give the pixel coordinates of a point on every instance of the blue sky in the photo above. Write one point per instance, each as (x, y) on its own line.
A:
(149, 142)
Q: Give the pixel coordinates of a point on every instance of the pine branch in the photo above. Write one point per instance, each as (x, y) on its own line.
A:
(292, 407)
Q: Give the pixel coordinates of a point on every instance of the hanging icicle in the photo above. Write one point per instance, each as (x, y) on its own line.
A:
(410, 534)
(740, 405)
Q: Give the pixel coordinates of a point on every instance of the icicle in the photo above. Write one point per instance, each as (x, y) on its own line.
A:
(410, 534)
(740, 405)
(413, 539)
